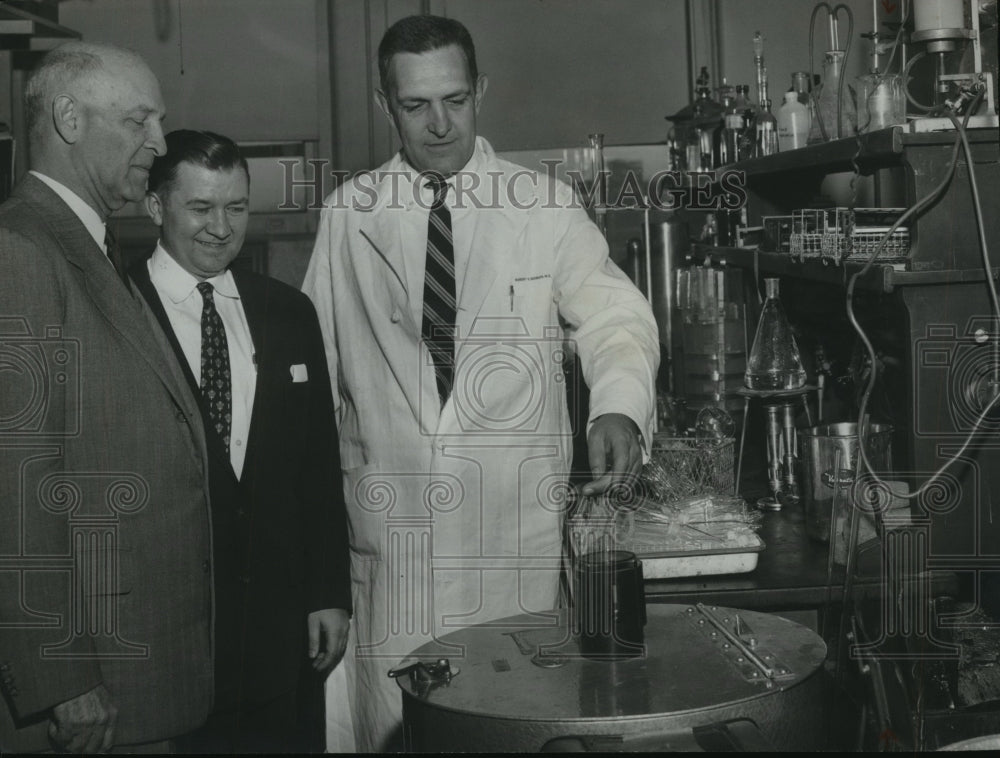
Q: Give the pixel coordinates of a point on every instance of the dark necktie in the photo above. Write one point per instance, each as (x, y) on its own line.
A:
(115, 255)
(216, 383)
(438, 327)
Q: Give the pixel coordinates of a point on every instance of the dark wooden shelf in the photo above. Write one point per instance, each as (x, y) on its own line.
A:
(18, 27)
(884, 146)
(882, 277)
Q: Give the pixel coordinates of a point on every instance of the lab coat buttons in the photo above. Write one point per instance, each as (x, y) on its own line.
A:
(396, 316)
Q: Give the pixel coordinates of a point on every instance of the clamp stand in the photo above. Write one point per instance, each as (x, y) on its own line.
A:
(782, 443)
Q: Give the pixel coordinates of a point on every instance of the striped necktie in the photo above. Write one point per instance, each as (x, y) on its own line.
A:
(438, 327)
(216, 382)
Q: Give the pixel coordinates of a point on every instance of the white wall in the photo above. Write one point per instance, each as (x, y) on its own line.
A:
(785, 26)
(249, 69)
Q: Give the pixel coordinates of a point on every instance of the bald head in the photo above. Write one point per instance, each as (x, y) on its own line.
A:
(94, 114)
(73, 69)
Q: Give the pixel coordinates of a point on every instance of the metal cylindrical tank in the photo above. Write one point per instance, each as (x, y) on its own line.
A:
(669, 245)
(522, 686)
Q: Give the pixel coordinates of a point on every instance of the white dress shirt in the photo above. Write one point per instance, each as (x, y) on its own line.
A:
(87, 215)
(178, 292)
(463, 226)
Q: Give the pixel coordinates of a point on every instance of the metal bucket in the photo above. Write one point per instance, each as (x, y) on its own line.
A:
(830, 455)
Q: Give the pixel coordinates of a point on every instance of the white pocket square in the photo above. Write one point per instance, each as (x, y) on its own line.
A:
(299, 373)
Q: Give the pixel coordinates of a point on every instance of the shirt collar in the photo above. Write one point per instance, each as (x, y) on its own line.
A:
(172, 279)
(475, 165)
(90, 218)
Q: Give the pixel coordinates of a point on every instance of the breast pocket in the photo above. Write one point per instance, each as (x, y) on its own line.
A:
(532, 299)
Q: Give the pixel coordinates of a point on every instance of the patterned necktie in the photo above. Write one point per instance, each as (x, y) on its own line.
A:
(216, 383)
(438, 328)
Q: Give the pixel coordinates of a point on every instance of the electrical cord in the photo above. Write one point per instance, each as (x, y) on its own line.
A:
(906, 83)
(812, 75)
(961, 142)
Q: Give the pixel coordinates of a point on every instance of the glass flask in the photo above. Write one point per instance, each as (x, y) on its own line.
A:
(774, 362)
(881, 101)
(824, 124)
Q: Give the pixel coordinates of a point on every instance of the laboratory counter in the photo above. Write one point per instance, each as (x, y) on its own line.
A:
(792, 573)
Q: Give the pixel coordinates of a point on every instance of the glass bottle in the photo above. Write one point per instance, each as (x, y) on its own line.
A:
(774, 362)
(766, 128)
(801, 86)
(705, 114)
(722, 155)
(745, 139)
(793, 123)
(825, 119)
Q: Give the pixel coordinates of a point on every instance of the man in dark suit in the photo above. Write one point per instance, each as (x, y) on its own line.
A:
(251, 347)
(105, 535)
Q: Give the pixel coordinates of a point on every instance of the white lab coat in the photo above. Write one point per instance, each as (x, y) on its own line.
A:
(455, 513)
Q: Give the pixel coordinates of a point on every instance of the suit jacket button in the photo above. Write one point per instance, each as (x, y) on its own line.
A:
(181, 418)
(396, 316)
(206, 566)
(4, 667)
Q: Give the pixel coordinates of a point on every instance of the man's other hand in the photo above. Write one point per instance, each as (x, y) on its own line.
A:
(615, 451)
(327, 637)
(85, 724)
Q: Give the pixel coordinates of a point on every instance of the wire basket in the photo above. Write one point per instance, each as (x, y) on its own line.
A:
(839, 234)
(864, 242)
(681, 467)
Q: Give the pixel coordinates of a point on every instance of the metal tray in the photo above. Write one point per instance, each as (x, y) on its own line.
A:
(686, 563)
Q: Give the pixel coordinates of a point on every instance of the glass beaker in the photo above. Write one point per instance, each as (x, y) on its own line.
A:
(825, 124)
(774, 362)
(881, 101)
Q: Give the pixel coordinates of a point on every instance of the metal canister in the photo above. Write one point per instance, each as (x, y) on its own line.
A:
(831, 459)
(668, 249)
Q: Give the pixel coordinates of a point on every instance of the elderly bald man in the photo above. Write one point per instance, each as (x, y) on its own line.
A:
(105, 550)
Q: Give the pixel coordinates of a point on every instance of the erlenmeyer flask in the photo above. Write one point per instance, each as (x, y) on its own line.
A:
(774, 362)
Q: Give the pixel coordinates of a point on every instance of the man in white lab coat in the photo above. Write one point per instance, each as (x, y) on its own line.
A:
(445, 307)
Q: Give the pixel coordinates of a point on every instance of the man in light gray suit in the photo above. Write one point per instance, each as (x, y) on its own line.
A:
(105, 534)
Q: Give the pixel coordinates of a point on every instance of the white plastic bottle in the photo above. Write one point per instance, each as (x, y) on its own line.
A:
(793, 123)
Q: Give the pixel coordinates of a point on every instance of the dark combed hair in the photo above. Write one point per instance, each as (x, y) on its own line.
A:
(421, 34)
(206, 149)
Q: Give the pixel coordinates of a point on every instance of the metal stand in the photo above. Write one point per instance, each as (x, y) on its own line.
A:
(782, 445)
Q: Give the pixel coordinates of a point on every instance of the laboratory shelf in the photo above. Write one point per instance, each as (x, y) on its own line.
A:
(882, 147)
(882, 277)
(18, 27)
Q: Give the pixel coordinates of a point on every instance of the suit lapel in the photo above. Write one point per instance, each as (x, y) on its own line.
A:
(253, 299)
(120, 306)
(140, 276)
(381, 235)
